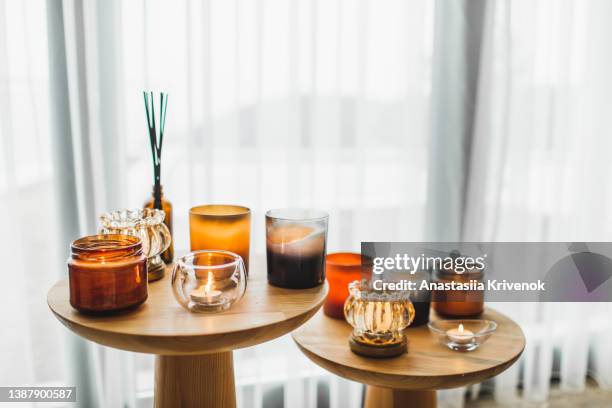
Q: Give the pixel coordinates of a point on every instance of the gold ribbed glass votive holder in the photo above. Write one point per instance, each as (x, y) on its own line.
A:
(378, 319)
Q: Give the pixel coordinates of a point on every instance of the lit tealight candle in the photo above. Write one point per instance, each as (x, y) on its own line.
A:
(460, 335)
(208, 294)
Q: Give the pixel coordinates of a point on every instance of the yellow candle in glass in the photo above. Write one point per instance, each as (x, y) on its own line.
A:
(221, 227)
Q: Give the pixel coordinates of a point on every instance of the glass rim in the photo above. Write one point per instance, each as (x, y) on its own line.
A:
(132, 218)
(182, 260)
(122, 242)
(362, 289)
(200, 210)
(490, 327)
(317, 215)
(330, 259)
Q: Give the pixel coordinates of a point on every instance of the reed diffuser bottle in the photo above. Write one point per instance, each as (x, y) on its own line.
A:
(168, 255)
(157, 200)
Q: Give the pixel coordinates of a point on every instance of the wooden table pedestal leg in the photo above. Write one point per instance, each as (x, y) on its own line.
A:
(195, 381)
(378, 397)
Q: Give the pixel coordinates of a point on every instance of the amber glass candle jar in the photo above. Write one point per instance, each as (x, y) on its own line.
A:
(341, 269)
(107, 273)
(458, 303)
(168, 255)
(221, 227)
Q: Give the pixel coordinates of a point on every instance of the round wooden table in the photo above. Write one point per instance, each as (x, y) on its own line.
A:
(411, 379)
(194, 364)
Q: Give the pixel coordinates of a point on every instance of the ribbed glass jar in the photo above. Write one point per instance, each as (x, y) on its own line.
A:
(378, 318)
(146, 224)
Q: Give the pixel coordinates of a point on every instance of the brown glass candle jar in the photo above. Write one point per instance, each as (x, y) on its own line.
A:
(107, 273)
(458, 303)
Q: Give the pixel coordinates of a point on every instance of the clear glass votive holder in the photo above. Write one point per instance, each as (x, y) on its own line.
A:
(209, 281)
(296, 247)
(462, 335)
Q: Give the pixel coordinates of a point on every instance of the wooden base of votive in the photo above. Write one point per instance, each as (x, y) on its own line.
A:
(386, 351)
(155, 271)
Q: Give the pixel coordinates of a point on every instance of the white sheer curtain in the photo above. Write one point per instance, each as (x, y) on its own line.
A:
(321, 104)
(317, 103)
(287, 103)
(32, 343)
(540, 171)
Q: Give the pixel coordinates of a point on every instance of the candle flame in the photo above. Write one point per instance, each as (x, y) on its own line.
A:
(209, 283)
(460, 328)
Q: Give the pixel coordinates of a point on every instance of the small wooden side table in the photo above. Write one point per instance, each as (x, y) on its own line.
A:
(194, 366)
(410, 380)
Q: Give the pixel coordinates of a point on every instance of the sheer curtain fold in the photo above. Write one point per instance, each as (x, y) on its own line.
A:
(534, 172)
(458, 32)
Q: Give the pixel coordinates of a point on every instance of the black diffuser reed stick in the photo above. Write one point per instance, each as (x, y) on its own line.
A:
(156, 140)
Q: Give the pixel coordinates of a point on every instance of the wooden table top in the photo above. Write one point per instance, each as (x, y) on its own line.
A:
(161, 326)
(428, 365)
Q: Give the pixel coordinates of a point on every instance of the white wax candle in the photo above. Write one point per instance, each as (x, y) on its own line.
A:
(201, 296)
(207, 294)
(460, 335)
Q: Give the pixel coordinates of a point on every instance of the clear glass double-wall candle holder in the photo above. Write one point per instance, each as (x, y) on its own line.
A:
(378, 317)
(209, 281)
(148, 225)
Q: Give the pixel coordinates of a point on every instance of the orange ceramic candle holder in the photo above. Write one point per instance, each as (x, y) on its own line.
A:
(342, 268)
(107, 273)
(221, 227)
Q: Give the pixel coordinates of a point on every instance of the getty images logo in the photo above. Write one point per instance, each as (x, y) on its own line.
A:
(453, 261)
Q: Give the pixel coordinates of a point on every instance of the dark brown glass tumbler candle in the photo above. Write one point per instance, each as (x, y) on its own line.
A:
(296, 247)
(107, 273)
